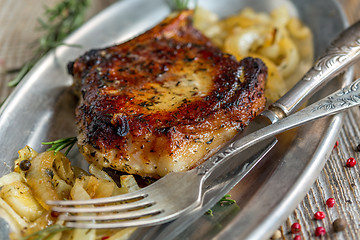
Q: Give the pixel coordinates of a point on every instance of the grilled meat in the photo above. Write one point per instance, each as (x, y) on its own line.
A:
(163, 101)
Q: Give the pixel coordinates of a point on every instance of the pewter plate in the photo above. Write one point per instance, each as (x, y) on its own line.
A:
(42, 108)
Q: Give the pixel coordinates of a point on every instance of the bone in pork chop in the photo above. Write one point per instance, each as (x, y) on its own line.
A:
(163, 101)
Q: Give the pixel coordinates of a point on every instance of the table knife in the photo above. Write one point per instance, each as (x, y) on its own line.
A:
(342, 52)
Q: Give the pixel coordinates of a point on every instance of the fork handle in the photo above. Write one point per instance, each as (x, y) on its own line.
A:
(339, 101)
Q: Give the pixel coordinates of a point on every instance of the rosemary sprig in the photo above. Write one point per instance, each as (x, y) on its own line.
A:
(181, 4)
(60, 144)
(46, 233)
(226, 199)
(210, 212)
(178, 5)
(58, 23)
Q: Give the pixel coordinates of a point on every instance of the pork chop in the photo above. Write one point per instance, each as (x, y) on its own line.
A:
(163, 101)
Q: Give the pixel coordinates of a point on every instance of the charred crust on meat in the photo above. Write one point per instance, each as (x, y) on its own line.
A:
(122, 125)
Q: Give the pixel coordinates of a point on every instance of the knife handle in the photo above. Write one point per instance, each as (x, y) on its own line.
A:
(343, 52)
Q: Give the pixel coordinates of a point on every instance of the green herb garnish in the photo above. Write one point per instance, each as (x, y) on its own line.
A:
(226, 199)
(181, 4)
(58, 23)
(210, 212)
(60, 144)
(46, 233)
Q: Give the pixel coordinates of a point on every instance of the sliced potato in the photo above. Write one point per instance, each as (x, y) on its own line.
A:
(43, 179)
(19, 196)
(289, 57)
(63, 168)
(297, 29)
(16, 217)
(129, 183)
(97, 187)
(10, 178)
(78, 192)
(97, 172)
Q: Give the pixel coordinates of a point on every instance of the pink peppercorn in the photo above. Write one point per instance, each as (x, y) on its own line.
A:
(319, 215)
(297, 237)
(295, 227)
(320, 231)
(351, 162)
(330, 202)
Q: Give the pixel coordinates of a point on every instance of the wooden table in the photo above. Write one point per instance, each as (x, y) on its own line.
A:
(336, 181)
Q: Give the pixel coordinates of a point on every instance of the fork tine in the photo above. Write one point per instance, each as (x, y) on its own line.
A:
(150, 206)
(116, 216)
(119, 198)
(121, 207)
(139, 222)
(124, 224)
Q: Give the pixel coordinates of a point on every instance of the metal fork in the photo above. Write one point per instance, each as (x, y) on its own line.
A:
(177, 193)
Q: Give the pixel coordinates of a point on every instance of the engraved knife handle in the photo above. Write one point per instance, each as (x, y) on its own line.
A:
(343, 52)
(341, 100)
